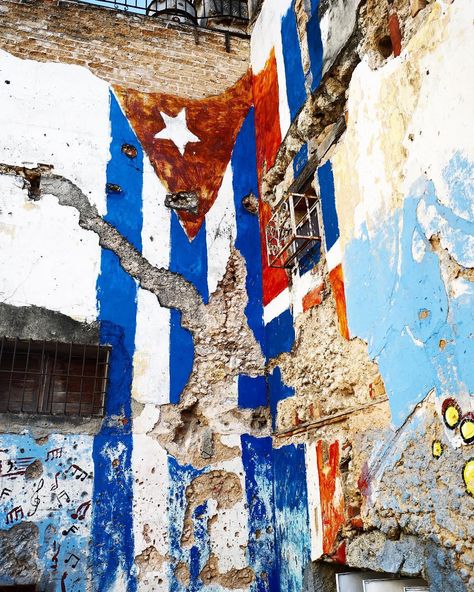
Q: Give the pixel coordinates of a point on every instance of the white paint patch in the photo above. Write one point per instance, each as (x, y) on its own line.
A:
(459, 244)
(56, 114)
(221, 231)
(278, 305)
(156, 218)
(301, 285)
(314, 501)
(461, 287)
(336, 27)
(47, 259)
(442, 121)
(229, 531)
(334, 255)
(151, 357)
(150, 507)
(418, 247)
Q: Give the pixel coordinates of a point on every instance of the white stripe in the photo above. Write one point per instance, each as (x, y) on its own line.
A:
(334, 255)
(277, 306)
(314, 501)
(221, 231)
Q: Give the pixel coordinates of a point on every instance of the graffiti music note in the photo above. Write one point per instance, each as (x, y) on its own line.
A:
(54, 559)
(73, 529)
(81, 511)
(74, 558)
(55, 486)
(54, 453)
(5, 492)
(65, 496)
(15, 514)
(35, 500)
(77, 472)
(17, 467)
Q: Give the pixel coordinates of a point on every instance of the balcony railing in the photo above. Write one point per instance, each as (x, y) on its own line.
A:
(292, 230)
(204, 13)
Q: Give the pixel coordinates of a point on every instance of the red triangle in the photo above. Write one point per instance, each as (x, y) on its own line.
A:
(215, 120)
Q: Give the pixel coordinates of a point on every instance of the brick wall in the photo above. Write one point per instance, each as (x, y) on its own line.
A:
(134, 51)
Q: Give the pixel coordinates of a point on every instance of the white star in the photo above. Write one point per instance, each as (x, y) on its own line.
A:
(176, 130)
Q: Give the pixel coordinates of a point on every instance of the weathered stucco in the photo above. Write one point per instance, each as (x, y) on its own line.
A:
(264, 428)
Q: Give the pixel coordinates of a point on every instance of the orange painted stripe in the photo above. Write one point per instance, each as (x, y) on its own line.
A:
(336, 279)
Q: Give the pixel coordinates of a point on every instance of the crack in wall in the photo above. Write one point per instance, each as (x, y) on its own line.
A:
(171, 289)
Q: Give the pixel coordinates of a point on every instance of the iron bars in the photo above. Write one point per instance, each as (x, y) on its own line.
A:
(205, 13)
(52, 378)
(293, 229)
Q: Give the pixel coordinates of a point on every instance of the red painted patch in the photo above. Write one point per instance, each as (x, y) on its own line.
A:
(340, 555)
(336, 279)
(216, 121)
(332, 498)
(268, 140)
(395, 33)
(267, 115)
(274, 280)
(313, 298)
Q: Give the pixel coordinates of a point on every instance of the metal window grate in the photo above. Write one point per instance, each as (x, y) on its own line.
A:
(292, 229)
(52, 378)
(198, 12)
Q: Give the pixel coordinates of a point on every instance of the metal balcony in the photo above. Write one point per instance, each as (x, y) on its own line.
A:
(292, 230)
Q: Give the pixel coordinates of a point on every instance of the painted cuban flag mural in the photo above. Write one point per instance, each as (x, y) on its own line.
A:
(108, 507)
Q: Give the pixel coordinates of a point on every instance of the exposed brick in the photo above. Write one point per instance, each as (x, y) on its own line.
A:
(136, 51)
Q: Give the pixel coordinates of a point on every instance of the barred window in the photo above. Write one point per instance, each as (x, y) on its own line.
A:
(52, 378)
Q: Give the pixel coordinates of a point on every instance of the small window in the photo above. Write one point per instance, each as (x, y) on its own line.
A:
(52, 378)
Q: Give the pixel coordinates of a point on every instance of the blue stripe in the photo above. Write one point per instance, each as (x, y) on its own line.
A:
(293, 539)
(252, 391)
(112, 526)
(189, 259)
(277, 391)
(245, 181)
(279, 335)
(315, 46)
(180, 477)
(300, 160)
(257, 462)
(328, 204)
(294, 75)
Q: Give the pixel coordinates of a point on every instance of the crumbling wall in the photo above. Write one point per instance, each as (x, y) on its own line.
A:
(366, 352)
(173, 489)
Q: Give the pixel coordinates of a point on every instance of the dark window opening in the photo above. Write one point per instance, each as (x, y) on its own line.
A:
(52, 378)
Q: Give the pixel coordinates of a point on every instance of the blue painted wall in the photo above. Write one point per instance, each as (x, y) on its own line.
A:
(112, 527)
(189, 259)
(328, 204)
(293, 537)
(395, 266)
(257, 461)
(196, 556)
(315, 45)
(277, 391)
(295, 84)
(279, 335)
